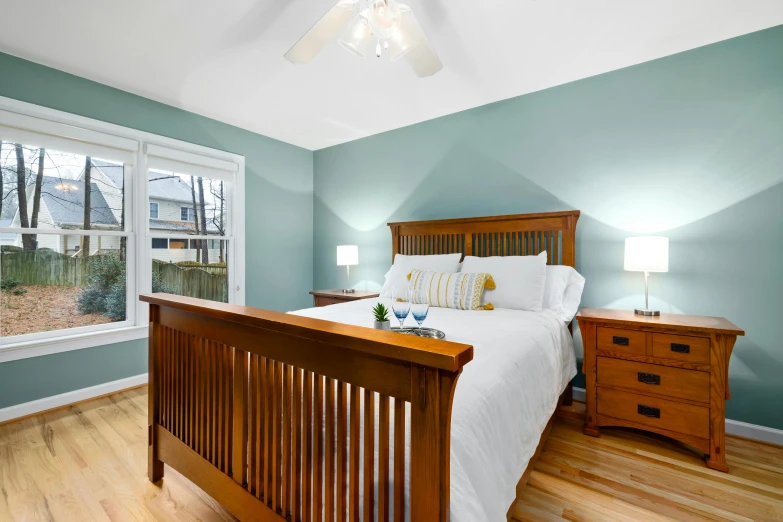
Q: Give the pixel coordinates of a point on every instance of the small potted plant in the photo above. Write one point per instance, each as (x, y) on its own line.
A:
(381, 314)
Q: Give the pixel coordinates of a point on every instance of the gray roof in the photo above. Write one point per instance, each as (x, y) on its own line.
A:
(65, 200)
(161, 186)
(158, 224)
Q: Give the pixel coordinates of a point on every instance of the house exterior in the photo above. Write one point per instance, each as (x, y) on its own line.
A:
(170, 212)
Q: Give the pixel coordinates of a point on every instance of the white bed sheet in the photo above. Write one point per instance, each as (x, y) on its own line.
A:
(522, 362)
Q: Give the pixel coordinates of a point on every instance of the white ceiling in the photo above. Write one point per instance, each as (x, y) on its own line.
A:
(224, 59)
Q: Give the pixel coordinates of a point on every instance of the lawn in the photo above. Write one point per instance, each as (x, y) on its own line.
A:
(42, 309)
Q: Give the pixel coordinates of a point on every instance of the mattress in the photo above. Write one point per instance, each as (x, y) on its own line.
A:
(522, 362)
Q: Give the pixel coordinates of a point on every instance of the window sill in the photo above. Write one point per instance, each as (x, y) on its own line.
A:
(66, 343)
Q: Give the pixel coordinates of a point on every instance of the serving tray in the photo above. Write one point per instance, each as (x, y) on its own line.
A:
(432, 333)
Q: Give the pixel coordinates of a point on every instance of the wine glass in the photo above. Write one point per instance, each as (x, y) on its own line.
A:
(419, 311)
(401, 305)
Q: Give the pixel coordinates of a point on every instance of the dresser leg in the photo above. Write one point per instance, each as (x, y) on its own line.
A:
(593, 431)
(717, 465)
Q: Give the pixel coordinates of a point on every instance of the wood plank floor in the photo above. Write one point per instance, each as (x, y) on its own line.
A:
(88, 462)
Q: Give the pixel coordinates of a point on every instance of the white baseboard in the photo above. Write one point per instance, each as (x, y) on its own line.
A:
(738, 428)
(56, 401)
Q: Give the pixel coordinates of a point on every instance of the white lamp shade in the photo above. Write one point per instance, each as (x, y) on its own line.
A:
(347, 255)
(647, 254)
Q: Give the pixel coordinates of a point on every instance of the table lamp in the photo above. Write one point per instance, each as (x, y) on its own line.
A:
(347, 255)
(647, 254)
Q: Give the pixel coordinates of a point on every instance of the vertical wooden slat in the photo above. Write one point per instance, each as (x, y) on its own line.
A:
(286, 499)
(399, 460)
(269, 412)
(342, 450)
(261, 390)
(274, 416)
(353, 465)
(297, 438)
(369, 455)
(239, 424)
(154, 466)
(383, 458)
(252, 457)
(318, 448)
(556, 248)
(331, 406)
(277, 462)
(307, 457)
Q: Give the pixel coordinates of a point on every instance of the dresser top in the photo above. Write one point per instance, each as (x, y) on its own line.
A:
(691, 323)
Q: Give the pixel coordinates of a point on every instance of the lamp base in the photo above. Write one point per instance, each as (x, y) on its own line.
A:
(648, 313)
(348, 290)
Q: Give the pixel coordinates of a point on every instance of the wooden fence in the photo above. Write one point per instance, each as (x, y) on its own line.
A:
(44, 267)
(193, 282)
(47, 268)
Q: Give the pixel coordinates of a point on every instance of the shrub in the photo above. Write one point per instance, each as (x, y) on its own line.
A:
(19, 291)
(189, 263)
(218, 265)
(9, 284)
(11, 248)
(107, 273)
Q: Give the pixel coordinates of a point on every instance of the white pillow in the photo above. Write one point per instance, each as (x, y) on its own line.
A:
(519, 280)
(403, 265)
(563, 291)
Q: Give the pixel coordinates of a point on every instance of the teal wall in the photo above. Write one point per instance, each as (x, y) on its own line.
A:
(689, 146)
(278, 215)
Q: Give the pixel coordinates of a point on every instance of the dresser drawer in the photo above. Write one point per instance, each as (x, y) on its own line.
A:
(655, 412)
(653, 378)
(623, 341)
(681, 348)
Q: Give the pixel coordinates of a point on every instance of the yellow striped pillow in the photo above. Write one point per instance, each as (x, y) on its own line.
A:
(460, 290)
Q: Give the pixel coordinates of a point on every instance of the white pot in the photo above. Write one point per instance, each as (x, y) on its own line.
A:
(382, 325)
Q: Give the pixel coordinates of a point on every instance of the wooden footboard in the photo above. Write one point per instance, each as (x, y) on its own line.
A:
(258, 408)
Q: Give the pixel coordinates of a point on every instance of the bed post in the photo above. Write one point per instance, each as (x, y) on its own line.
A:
(433, 392)
(154, 466)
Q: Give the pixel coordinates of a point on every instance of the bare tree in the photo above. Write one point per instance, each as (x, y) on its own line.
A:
(37, 194)
(203, 219)
(28, 240)
(218, 217)
(2, 180)
(87, 184)
(195, 217)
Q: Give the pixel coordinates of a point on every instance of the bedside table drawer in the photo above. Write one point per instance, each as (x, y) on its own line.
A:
(655, 412)
(623, 341)
(652, 378)
(326, 301)
(681, 348)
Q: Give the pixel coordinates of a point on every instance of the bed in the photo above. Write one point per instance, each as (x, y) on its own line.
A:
(257, 407)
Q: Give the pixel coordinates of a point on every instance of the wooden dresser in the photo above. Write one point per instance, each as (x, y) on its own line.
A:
(330, 297)
(666, 374)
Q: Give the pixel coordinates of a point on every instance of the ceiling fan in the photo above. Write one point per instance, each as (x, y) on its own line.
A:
(367, 27)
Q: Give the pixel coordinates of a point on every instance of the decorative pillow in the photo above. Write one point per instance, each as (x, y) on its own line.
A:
(520, 280)
(563, 291)
(404, 264)
(460, 290)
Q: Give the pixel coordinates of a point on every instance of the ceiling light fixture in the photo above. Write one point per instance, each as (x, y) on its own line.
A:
(380, 27)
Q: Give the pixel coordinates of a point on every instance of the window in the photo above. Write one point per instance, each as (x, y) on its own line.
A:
(82, 239)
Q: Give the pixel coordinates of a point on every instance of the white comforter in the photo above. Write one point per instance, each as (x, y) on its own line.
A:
(522, 362)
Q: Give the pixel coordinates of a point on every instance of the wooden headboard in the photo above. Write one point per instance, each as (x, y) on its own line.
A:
(513, 235)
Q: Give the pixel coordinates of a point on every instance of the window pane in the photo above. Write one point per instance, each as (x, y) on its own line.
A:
(187, 204)
(160, 242)
(54, 193)
(181, 271)
(54, 287)
(153, 210)
(178, 243)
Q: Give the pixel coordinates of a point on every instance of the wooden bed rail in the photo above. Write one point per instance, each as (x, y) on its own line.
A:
(260, 410)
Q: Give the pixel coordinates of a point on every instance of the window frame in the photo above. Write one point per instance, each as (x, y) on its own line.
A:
(188, 212)
(157, 210)
(139, 252)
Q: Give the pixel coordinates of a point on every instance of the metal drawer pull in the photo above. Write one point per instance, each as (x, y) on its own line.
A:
(681, 348)
(649, 378)
(649, 411)
(622, 341)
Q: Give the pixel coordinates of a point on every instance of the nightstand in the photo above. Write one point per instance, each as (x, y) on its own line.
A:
(330, 297)
(666, 374)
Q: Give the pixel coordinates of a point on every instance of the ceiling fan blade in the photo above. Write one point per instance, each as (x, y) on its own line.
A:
(323, 32)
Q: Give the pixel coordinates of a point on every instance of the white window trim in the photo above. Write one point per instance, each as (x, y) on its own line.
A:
(139, 259)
